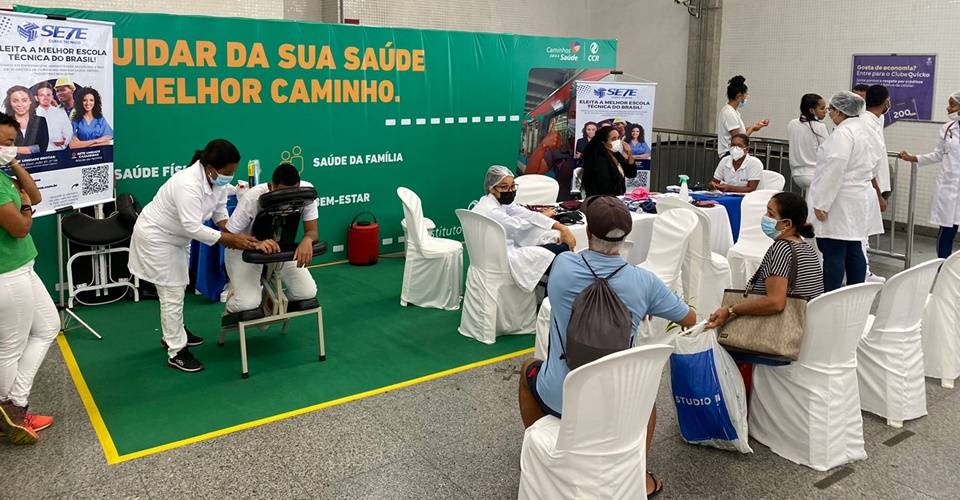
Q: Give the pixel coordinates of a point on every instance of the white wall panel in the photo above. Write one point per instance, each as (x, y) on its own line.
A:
(787, 48)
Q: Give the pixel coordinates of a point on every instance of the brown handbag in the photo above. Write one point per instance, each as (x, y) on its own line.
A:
(776, 336)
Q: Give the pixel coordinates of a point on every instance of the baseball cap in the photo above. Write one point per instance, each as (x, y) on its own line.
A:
(607, 218)
(64, 82)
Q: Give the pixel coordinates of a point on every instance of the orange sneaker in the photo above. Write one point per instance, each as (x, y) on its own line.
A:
(13, 426)
(37, 422)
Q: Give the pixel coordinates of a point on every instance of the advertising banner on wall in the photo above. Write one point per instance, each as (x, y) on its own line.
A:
(57, 79)
(360, 110)
(909, 78)
(629, 108)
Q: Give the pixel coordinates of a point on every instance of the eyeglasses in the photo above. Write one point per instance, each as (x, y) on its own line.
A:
(506, 187)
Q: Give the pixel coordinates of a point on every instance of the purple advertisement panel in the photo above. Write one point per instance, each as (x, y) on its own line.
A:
(909, 78)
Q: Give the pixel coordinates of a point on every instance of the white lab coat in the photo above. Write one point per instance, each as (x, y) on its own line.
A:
(525, 231)
(805, 140)
(882, 170)
(841, 184)
(945, 210)
(160, 245)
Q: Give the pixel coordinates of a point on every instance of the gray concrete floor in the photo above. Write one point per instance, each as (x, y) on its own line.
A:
(457, 437)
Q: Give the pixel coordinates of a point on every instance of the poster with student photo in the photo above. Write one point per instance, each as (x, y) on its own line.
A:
(628, 107)
(56, 81)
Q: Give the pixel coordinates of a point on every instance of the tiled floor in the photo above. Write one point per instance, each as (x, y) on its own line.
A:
(457, 437)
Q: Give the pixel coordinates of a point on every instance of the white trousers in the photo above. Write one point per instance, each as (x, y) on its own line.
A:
(171, 318)
(29, 323)
(245, 282)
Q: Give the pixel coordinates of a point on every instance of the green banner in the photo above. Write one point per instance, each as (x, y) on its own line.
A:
(361, 110)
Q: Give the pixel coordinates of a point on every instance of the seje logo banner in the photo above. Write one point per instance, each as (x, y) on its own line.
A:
(602, 92)
(57, 33)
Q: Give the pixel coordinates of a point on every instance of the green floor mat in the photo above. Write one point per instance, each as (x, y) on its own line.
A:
(371, 343)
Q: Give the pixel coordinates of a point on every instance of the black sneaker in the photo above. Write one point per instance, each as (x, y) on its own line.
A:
(192, 340)
(184, 361)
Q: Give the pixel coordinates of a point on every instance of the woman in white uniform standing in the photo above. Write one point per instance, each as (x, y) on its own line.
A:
(945, 211)
(160, 246)
(842, 195)
(806, 134)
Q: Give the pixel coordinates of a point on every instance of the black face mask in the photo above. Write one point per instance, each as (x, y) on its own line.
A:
(507, 197)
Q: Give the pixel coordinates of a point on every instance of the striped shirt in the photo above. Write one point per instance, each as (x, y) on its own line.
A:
(777, 262)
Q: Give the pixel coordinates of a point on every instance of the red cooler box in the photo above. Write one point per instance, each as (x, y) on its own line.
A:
(363, 241)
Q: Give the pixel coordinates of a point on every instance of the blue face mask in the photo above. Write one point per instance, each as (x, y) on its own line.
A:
(769, 227)
(222, 180)
(743, 105)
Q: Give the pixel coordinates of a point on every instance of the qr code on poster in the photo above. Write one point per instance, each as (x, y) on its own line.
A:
(641, 180)
(95, 180)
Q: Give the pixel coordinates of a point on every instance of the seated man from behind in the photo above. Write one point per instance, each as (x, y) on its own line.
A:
(643, 294)
(533, 238)
(738, 172)
(244, 276)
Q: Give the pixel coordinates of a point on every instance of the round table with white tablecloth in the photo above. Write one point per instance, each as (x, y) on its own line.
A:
(721, 237)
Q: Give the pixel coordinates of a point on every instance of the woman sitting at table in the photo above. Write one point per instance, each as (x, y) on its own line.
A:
(607, 164)
(738, 172)
(90, 128)
(786, 223)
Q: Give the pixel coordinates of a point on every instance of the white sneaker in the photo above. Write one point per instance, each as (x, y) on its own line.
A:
(873, 278)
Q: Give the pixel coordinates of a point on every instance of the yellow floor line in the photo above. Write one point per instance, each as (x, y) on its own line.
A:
(106, 442)
(110, 450)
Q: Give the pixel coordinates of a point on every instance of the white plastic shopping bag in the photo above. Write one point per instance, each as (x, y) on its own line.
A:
(708, 392)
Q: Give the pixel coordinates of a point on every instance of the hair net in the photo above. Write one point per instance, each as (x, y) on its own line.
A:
(956, 96)
(495, 174)
(848, 103)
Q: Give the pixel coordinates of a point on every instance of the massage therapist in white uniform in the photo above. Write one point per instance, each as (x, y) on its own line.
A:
(160, 246)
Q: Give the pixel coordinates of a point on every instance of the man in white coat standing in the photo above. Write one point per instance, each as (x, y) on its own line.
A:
(841, 193)
(878, 103)
(533, 238)
(945, 210)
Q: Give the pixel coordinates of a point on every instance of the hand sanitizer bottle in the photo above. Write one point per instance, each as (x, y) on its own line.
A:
(684, 190)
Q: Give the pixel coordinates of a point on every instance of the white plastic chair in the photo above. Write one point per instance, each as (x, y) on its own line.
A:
(772, 181)
(941, 325)
(598, 449)
(704, 273)
(890, 355)
(493, 303)
(809, 411)
(433, 269)
(534, 189)
(428, 224)
(669, 243)
(747, 253)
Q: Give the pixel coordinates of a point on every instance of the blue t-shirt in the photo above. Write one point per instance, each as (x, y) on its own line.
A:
(640, 290)
(95, 129)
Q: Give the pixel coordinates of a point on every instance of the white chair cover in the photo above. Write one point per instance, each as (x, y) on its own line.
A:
(941, 325)
(890, 355)
(746, 255)
(809, 411)
(427, 223)
(542, 343)
(534, 189)
(493, 303)
(771, 180)
(598, 449)
(704, 274)
(669, 242)
(433, 268)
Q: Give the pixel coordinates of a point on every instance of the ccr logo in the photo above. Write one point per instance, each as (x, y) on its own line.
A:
(594, 52)
(28, 31)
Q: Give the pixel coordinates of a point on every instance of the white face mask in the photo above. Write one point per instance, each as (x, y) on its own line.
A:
(7, 154)
(737, 152)
(617, 146)
(955, 116)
